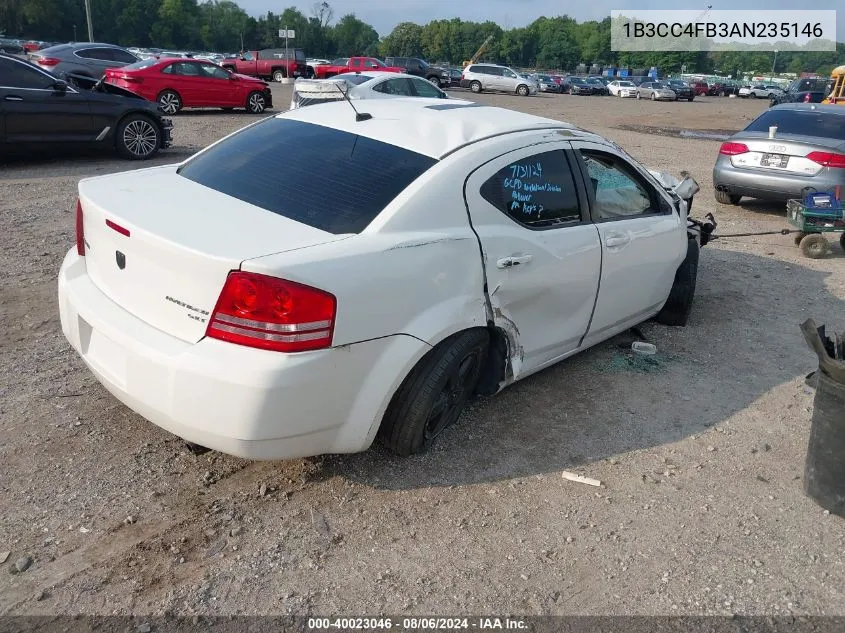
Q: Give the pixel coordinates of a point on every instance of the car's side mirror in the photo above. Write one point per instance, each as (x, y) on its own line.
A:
(59, 87)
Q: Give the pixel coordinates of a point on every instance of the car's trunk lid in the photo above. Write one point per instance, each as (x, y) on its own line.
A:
(784, 153)
(183, 239)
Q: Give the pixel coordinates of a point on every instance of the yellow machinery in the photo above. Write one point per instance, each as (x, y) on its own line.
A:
(479, 52)
(837, 94)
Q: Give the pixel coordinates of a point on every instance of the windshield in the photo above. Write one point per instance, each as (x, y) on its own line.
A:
(626, 84)
(354, 78)
(246, 166)
(544, 78)
(801, 122)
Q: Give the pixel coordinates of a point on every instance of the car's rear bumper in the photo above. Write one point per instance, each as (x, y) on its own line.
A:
(246, 402)
(758, 183)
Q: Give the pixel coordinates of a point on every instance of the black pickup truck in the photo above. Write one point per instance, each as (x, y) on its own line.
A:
(807, 90)
(440, 77)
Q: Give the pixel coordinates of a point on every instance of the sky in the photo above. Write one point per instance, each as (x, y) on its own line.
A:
(385, 14)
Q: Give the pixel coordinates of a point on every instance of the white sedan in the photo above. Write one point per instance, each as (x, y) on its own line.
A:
(622, 88)
(366, 85)
(444, 250)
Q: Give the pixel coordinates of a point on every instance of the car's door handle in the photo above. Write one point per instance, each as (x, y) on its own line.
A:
(13, 98)
(514, 260)
(613, 240)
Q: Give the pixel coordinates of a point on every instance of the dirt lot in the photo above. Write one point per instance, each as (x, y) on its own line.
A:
(701, 453)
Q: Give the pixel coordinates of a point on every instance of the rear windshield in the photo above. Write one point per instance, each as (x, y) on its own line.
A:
(354, 78)
(332, 180)
(144, 63)
(801, 122)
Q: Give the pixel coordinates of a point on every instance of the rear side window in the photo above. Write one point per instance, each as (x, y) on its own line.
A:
(801, 122)
(536, 192)
(102, 54)
(332, 180)
(123, 56)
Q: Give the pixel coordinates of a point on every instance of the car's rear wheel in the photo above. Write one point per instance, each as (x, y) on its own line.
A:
(678, 306)
(138, 137)
(434, 81)
(800, 236)
(475, 86)
(723, 197)
(522, 91)
(256, 102)
(814, 246)
(169, 101)
(278, 75)
(433, 395)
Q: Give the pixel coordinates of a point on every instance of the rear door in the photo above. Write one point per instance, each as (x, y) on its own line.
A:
(34, 112)
(542, 254)
(643, 239)
(187, 82)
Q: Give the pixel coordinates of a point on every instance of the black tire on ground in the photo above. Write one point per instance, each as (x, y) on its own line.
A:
(475, 86)
(639, 96)
(278, 75)
(842, 240)
(169, 101)
(522, 90)
(433, 395)
(137, 137)
(654, 96)
(256, 102)
(692, 97)
(814, 246)
(800, 236)
(723, 197)
(678, 306)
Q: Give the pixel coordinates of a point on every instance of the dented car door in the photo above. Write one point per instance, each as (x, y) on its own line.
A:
(542, 254)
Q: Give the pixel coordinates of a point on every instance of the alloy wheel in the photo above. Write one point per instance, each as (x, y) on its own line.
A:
(451, 399)
(256, 103)
(169, 103)
(140, 137)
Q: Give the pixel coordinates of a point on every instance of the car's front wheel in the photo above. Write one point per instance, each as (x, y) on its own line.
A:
(678, 306)
(169, 101)
(522, 91)
(434, 81)
(256, 102)
(639, 96)
(433, 395)
(138, 137)
(654, 96)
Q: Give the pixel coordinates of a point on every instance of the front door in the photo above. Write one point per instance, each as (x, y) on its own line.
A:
(542, 254)
(218, 88)
(35, 112)
(641, 243)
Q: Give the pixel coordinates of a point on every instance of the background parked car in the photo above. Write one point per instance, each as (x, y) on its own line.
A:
(622, 88)
(681, 89)
(366, 85)
(478, 77)
(807, 90)
(599, 87)
(548, 84)
(722, 89)
(578, 86)
(191, 83)
(655, 91)
(42, 111)
(760, 91)
(83, 58)
(11, 46)
(808, 150)
(699, 87)
(421, 68)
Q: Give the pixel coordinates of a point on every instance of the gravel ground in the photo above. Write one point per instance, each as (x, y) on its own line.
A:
(701, 453)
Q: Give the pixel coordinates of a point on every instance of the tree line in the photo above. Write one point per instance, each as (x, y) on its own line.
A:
(556, 43)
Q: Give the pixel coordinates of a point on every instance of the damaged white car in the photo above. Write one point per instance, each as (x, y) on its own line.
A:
(446, 249)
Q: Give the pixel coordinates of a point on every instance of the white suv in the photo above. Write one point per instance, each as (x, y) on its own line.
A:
(478, 77)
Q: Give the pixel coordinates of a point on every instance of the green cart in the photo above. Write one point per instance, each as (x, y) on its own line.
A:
(812, 223)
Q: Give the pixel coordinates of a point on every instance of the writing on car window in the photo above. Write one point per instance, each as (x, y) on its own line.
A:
(537, 191)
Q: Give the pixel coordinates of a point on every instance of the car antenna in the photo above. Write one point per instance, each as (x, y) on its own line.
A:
(359, 116)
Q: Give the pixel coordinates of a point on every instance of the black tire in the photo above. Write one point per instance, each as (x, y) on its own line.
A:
(678, 306)
(654, 96)
(692, 97)
(433, 395)
(800, 236)
(256, 102)
(842, 240)
(137, 137)
(475, 86)
(170, 101)
(434, 80)
(522, 90)
(279, 74)
(814, 246)
(723, 197)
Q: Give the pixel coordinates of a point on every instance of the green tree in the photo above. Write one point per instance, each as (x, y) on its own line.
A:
(406, 40)
(350, 36)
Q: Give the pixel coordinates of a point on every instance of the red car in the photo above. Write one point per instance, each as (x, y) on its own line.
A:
(191, 83)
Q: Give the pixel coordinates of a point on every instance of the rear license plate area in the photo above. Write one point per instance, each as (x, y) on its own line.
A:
(774, 160)
(107, 356)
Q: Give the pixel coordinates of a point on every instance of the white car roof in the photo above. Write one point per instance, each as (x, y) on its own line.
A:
(433, 127)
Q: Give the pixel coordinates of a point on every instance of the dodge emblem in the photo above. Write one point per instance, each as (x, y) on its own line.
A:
(120, 258)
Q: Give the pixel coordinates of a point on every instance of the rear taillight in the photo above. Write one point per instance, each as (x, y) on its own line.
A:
(732, 149)
(828, 159)
(462, 76)
(49, 62)
(80, 231)
(273, 314)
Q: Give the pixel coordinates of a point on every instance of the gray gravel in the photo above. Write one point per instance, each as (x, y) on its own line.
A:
(700, 454)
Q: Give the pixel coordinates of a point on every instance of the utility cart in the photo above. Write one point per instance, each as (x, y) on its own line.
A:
(814, 216)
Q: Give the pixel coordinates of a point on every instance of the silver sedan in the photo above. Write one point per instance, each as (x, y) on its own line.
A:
(655, 91)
